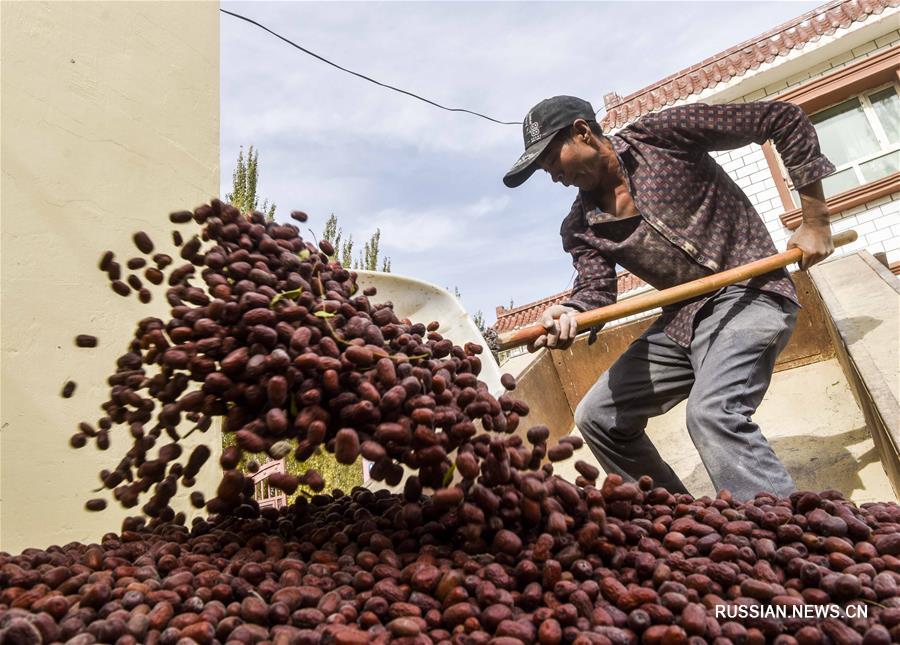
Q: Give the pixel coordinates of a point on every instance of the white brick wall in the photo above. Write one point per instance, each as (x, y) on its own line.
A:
(878, 222)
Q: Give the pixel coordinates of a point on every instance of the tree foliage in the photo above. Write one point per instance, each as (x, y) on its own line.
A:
(343, 248)
(335, 474)
(478, 319)
(369, 258)
(244, 180)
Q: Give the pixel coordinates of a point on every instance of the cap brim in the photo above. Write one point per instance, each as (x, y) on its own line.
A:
(527, 163)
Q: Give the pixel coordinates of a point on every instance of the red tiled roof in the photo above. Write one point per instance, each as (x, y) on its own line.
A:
(736, 61)
(509, 319)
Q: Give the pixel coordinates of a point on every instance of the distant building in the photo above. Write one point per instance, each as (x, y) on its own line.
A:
(839, 63)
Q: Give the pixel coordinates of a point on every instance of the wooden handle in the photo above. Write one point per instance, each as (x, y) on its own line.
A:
(647, 301)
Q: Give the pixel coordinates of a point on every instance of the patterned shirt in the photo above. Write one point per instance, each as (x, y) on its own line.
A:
(694, 220)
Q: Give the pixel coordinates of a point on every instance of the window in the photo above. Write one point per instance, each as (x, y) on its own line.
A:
(861, 136)
(863, 98)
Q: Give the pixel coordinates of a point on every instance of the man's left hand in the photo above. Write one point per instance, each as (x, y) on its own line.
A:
(815, 242)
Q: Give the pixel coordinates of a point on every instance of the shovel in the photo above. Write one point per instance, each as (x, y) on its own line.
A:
(648, 301)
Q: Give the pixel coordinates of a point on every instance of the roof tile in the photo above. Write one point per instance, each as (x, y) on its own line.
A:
(517, 317)
(735, 62)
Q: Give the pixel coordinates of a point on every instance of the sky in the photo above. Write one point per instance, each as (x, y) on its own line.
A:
(429, 179)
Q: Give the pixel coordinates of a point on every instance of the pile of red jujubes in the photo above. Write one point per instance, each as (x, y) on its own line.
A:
(273, 335)
(618, 564)
(484, 544)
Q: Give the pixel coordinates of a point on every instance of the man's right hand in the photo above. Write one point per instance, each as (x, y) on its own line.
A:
(559, 321)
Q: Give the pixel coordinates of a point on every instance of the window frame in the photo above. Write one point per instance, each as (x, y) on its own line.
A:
(869, 75)
(878, 130)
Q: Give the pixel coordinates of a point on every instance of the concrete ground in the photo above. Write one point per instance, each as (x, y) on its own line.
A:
(811, 419)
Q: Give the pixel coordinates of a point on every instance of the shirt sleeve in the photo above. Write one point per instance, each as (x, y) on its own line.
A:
(702, 128)
(595, 282)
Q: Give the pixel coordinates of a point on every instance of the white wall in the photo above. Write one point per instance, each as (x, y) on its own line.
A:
(110, 120)
(878, 222)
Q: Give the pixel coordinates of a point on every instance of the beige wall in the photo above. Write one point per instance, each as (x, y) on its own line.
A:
(110, 119)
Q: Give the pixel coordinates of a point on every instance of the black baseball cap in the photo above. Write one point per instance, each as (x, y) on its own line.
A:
(543, 121)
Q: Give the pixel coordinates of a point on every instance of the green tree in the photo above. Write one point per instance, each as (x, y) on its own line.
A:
(368, 258)
(478, 319)
(335, 474)
(243, 190)
(343, 249)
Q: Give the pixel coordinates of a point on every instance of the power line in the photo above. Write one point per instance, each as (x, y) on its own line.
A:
(363, 76)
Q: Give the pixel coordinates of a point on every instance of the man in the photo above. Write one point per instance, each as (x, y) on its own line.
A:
(652, 200)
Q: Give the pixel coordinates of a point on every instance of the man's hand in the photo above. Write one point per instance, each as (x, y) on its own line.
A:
(814, 235)
(815, 242)
(559, 321)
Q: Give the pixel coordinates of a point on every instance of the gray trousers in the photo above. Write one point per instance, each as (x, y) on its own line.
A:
(726, 371)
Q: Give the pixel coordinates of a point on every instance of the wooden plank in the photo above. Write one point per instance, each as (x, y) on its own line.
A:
(581, 365)
(539, 386)
(810, 341)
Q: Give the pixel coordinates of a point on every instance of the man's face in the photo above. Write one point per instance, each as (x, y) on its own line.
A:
(571, 161)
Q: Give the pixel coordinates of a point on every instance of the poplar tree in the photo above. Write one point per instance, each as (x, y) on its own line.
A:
(368, 259)
(243, 190)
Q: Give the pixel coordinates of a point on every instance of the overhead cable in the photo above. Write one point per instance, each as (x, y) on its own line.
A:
(363, 76)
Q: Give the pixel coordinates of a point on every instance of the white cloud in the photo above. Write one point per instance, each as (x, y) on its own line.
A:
(489, 205)
(416, 232)
(451, 227)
